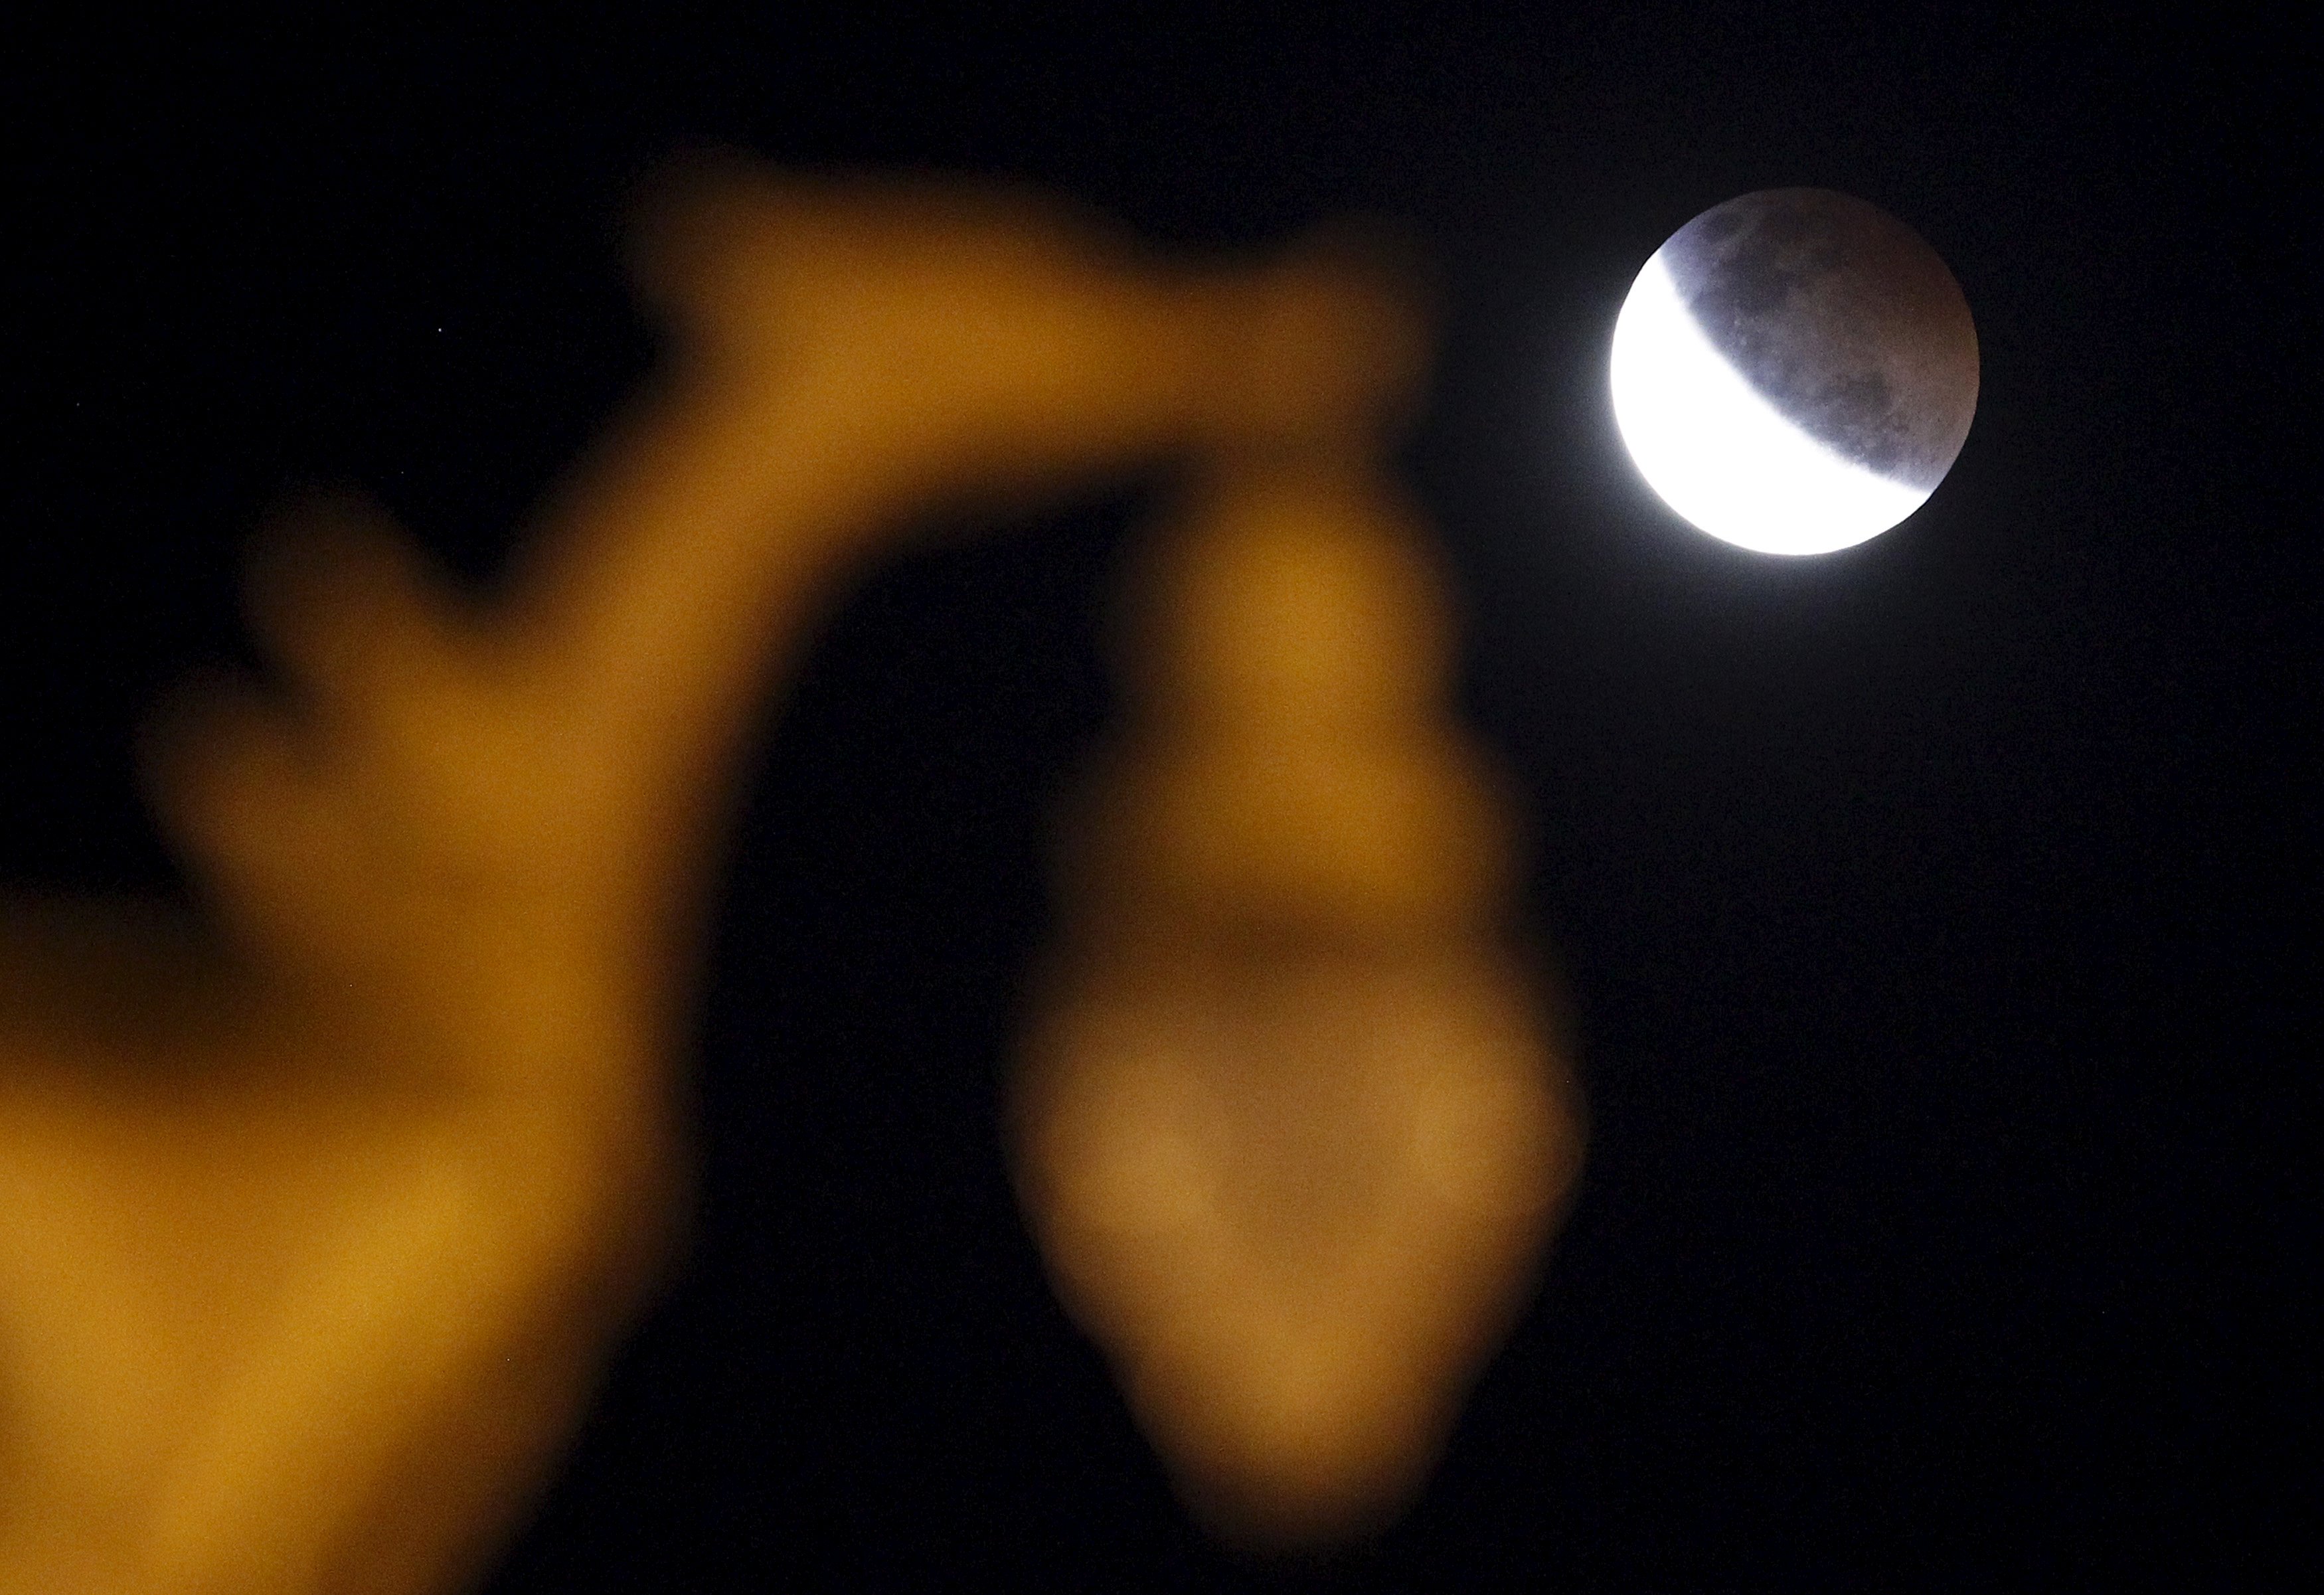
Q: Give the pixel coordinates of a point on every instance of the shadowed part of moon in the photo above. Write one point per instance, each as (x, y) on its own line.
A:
(1842, 317)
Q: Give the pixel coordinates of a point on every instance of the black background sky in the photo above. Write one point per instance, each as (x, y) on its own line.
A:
(1931, 910)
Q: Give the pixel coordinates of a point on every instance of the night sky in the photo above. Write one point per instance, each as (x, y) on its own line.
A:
(1931, 912)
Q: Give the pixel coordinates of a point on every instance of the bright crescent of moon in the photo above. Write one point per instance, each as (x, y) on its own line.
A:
(1721, 455)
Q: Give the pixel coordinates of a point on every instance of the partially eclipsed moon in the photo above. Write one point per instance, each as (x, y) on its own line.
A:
(1794, 370)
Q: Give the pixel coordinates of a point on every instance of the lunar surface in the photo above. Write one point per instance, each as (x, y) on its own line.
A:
(1794, 370)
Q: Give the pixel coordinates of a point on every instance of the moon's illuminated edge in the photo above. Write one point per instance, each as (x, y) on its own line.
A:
(1722, 456)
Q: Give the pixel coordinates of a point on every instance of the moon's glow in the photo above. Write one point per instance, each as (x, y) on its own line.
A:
(1724, 457)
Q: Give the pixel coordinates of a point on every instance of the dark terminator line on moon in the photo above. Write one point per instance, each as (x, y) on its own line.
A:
(1842, 317)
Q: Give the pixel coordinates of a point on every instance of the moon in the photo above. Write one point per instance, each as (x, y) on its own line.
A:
(1794, 370)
